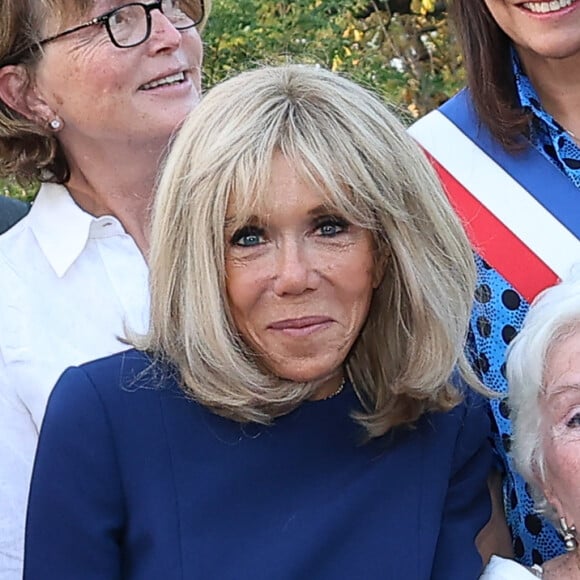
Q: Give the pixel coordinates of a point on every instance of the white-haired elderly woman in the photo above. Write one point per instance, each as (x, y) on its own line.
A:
(543, 370)
(296, 409)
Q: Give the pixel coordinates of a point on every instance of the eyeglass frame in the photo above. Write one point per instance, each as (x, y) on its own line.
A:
(104, 19)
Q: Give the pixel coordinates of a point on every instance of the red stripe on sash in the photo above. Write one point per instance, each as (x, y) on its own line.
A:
(494, 242)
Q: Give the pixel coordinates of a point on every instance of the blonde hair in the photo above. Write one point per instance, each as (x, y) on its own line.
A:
(344, 139)
(30, 152)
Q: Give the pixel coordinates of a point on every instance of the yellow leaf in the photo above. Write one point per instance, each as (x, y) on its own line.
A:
(427, 6)
(348, 31)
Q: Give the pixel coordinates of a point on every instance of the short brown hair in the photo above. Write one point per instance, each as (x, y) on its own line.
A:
(26, 148)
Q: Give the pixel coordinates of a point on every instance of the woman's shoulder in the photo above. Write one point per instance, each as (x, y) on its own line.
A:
(112, 378)
(460, 438)
(118, 391)
(127, 363)
(471, 416)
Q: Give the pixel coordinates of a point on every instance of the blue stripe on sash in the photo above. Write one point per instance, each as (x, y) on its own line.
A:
(541, 178)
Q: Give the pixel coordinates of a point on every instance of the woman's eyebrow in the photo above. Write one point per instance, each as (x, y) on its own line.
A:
(235, 221)
(322, 209)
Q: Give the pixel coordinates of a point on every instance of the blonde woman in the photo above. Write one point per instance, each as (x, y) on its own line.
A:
(297, 408)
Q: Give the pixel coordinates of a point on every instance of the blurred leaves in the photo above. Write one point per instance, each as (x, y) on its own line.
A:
(403, 49)
(13, 189)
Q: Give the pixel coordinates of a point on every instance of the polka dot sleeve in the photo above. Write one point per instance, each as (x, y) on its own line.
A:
(497, 316)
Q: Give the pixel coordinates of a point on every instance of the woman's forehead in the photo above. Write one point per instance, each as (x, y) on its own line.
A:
(70, 9)
(261, 200)
(563, 363)
(51, 13)
(254, 190)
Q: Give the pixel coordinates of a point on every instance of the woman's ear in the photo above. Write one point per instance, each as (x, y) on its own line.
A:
(553, 499)
(18, 92)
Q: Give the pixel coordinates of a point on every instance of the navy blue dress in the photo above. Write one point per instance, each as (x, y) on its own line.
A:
(133, 481)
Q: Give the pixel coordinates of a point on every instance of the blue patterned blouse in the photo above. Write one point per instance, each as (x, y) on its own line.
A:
(497, 317)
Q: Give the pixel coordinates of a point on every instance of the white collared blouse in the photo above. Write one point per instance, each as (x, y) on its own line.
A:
(70, 284)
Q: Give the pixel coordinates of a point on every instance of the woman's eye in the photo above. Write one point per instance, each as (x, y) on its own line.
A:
(330, 227)
(118, 18)
(574, 421)
(248, 236)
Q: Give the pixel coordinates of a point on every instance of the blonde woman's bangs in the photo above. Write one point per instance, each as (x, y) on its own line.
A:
(301, 144)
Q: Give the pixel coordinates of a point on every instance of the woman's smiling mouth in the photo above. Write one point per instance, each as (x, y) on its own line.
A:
(171, 79)
(547, 7)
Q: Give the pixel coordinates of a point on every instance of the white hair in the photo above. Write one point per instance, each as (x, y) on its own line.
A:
(554, 315)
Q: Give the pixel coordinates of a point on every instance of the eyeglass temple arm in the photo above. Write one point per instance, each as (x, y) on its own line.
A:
(71, 30)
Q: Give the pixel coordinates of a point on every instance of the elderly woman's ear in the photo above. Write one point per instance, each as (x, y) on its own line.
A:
(554, 501)
(19, 93)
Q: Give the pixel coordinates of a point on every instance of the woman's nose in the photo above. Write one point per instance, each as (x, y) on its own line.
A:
(163, 32)
(295, 270)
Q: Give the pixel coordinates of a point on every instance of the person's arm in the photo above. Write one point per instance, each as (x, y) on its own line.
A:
(75, 515)
(467, 503)
(17, 444)
(495, 538)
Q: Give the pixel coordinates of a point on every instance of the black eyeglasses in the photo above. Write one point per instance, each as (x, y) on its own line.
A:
(130, 25)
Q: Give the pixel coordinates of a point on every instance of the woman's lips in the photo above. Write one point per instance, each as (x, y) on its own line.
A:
(301, 326)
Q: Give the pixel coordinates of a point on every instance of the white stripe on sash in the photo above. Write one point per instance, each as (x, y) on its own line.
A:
(499, 192)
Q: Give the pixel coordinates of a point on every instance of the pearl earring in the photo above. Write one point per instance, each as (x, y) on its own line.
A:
(56, 124)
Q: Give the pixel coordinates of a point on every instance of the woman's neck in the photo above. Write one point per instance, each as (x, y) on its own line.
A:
(563, 567)
(118, 185)
(557, 82)
(130, 206)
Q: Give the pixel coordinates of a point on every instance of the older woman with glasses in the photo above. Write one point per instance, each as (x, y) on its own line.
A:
(90, 94)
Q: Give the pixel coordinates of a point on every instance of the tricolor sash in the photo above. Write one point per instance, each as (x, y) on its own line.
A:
(520, 211)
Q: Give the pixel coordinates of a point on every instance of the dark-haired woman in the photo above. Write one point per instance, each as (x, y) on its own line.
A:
(507, 151)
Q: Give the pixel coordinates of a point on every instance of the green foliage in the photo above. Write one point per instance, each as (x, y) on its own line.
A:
(13, 189)
(402, 49)
(244, 33)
